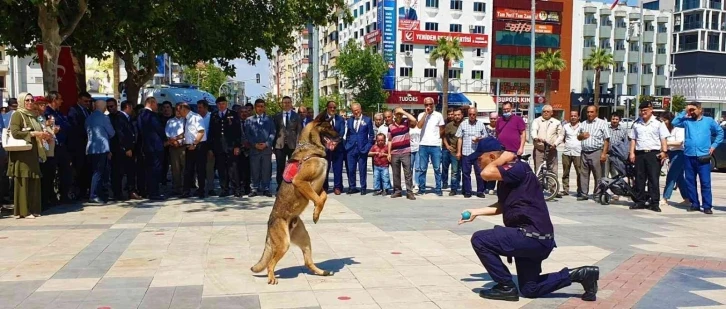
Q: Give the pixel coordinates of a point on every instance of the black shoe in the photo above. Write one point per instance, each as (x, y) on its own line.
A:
(377, 193)
(655, 208)
(363, 192)
(708, 211)
(184, 195)
(353, 191)
(96, 201)
(582, 198)
(637, 206)
(211, 193)
(444, 186)
(452, 193)
(690, 209)
(267, 193)
(501, 292)
(467, 195)
(587, 276)
(159, 197)
(480, 195)
(224, 194)
(238, 194)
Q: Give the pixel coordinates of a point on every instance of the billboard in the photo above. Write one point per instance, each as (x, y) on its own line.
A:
(373, 38)
(387, 25)
(542, 16)
(408, 15)
(430, 38)
(523, 27)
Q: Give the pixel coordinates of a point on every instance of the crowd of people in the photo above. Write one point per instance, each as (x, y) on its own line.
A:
(105, 151)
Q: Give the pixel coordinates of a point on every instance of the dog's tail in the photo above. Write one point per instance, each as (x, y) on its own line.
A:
(266, 256)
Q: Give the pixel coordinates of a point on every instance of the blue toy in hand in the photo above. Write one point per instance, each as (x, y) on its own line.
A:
(466, 215)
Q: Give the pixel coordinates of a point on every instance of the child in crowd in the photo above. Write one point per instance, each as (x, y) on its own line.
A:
(381, 161)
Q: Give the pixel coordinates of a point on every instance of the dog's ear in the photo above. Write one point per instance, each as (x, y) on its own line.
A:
(321, 117)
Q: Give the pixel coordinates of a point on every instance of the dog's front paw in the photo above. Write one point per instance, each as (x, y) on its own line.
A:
(316, 216)
(272, 281)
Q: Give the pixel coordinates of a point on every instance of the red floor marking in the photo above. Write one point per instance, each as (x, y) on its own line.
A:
(344, 298)
(159, 234)
(395, 252)
(692, 246)
(3, 237)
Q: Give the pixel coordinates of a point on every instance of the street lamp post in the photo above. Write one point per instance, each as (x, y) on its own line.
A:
(530, 109)
(638, 90)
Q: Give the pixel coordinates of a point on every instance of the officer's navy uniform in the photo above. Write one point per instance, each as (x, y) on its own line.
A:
(225, 134)
(527, 235)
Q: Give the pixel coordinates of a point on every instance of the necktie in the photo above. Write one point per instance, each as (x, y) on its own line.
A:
(357, 124)
(333, 121)
(287, 118)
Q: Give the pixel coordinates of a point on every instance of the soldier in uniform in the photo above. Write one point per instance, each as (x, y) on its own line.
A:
(225, 140)
(527, 234)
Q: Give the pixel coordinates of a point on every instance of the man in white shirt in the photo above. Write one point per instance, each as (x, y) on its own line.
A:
(175, 135)
(571, 154)
(203, 109)
(648, 150)
(431, 124)
(547, 132)
(195, 138)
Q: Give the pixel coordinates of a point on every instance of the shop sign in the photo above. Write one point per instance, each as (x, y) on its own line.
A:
(431, 37)
(542, 16)
(526, 28)
(409, 97)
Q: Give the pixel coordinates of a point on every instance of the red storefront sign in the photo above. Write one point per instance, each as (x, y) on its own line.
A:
(373, 37)
(66, 77)
(543, 16)
(410, 97)
(430, 38)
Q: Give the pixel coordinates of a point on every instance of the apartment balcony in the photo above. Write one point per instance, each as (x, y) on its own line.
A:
(661, 38)
(618, 77)
(434, 84)
(648, 36)
(4, 68)
(648, 58)
(587, 51)
(621, 33)
(660, 80)
(647, 80)
(619, 56)
(661, 59)
(606, 32)
(633, 56)
(589, 30)
(632, 78)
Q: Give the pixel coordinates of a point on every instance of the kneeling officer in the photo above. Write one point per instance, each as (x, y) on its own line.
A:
(527, 235)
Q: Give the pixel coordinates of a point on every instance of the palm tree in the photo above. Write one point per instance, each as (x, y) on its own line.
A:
(549, 62)
(447, 50)
(599, 60)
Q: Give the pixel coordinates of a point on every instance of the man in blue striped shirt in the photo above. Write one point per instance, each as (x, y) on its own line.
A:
(703, 134)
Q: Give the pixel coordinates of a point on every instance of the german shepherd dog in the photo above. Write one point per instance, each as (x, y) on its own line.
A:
(303, 182)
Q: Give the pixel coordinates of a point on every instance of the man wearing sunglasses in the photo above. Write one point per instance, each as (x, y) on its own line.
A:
(431, 124)
(337, 156)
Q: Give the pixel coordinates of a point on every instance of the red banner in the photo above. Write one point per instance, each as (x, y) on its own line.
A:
(66, 77)
(373, 37)
(542, 16)
(409, 97)
(523, 27)
(430, 38)
(408, 24)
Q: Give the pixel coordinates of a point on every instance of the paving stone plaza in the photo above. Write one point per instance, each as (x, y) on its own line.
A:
(386, 253)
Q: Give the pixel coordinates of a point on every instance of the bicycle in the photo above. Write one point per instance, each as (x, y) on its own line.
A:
(545, 175)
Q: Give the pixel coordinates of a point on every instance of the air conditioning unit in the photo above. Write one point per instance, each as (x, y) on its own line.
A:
(408, 54)
(472, 27)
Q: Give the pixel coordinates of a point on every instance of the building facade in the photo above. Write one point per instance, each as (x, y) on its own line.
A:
(405, 32)
(699, 53)
(616, 30)
(288, 71)
(511, 51)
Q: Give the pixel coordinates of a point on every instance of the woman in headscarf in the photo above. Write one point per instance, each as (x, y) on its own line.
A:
(24, 166)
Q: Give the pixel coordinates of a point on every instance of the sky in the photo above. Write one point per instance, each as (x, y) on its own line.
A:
(246, 72)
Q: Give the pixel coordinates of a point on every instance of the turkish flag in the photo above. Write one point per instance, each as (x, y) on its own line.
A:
(66, 77)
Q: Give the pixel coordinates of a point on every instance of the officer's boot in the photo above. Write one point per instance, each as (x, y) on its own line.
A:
(501, 292)
(587, 276)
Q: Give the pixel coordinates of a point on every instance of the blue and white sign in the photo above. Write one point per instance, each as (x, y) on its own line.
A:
(387, 24)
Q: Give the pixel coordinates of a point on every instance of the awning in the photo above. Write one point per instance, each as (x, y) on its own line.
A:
(457, 99)
(483, 102)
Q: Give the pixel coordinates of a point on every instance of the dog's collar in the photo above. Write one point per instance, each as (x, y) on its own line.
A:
(309, 145)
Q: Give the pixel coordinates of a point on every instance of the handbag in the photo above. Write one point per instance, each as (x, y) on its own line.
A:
(704, 159)
(11, 143)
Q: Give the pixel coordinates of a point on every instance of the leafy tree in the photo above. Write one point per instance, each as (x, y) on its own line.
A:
(23, 24)
(599, 60)
(322, 102)
(549, 62)
(679, 103)
(362, 71)
(273, 103)
(306, 89)
(447, 50)
(189, 31)
(207, 76)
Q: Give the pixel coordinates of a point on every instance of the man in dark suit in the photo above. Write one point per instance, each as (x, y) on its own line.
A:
(77, 143)
(153, 141)
(225, 138)
(358, 142)
(407, 12)
(288, 126)
(336, 156)
(123, 147)
(62, 157)
(243, 162)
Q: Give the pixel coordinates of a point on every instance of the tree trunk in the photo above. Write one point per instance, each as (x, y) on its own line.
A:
(79, 65)
(597, 90)
(132, 90)
(50, 33)
(137, 78)
(445, 89)
(116, 77)
(548, 88)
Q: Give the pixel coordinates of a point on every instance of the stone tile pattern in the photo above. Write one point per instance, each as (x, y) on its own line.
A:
(625, 286)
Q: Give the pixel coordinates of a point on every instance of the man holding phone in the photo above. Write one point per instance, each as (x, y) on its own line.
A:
(648, 150)
(703, 134)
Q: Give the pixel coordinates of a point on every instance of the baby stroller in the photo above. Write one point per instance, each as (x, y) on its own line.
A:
(619, 185)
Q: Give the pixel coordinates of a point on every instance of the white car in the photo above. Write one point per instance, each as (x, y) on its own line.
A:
(174, 95)
(626, 123)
